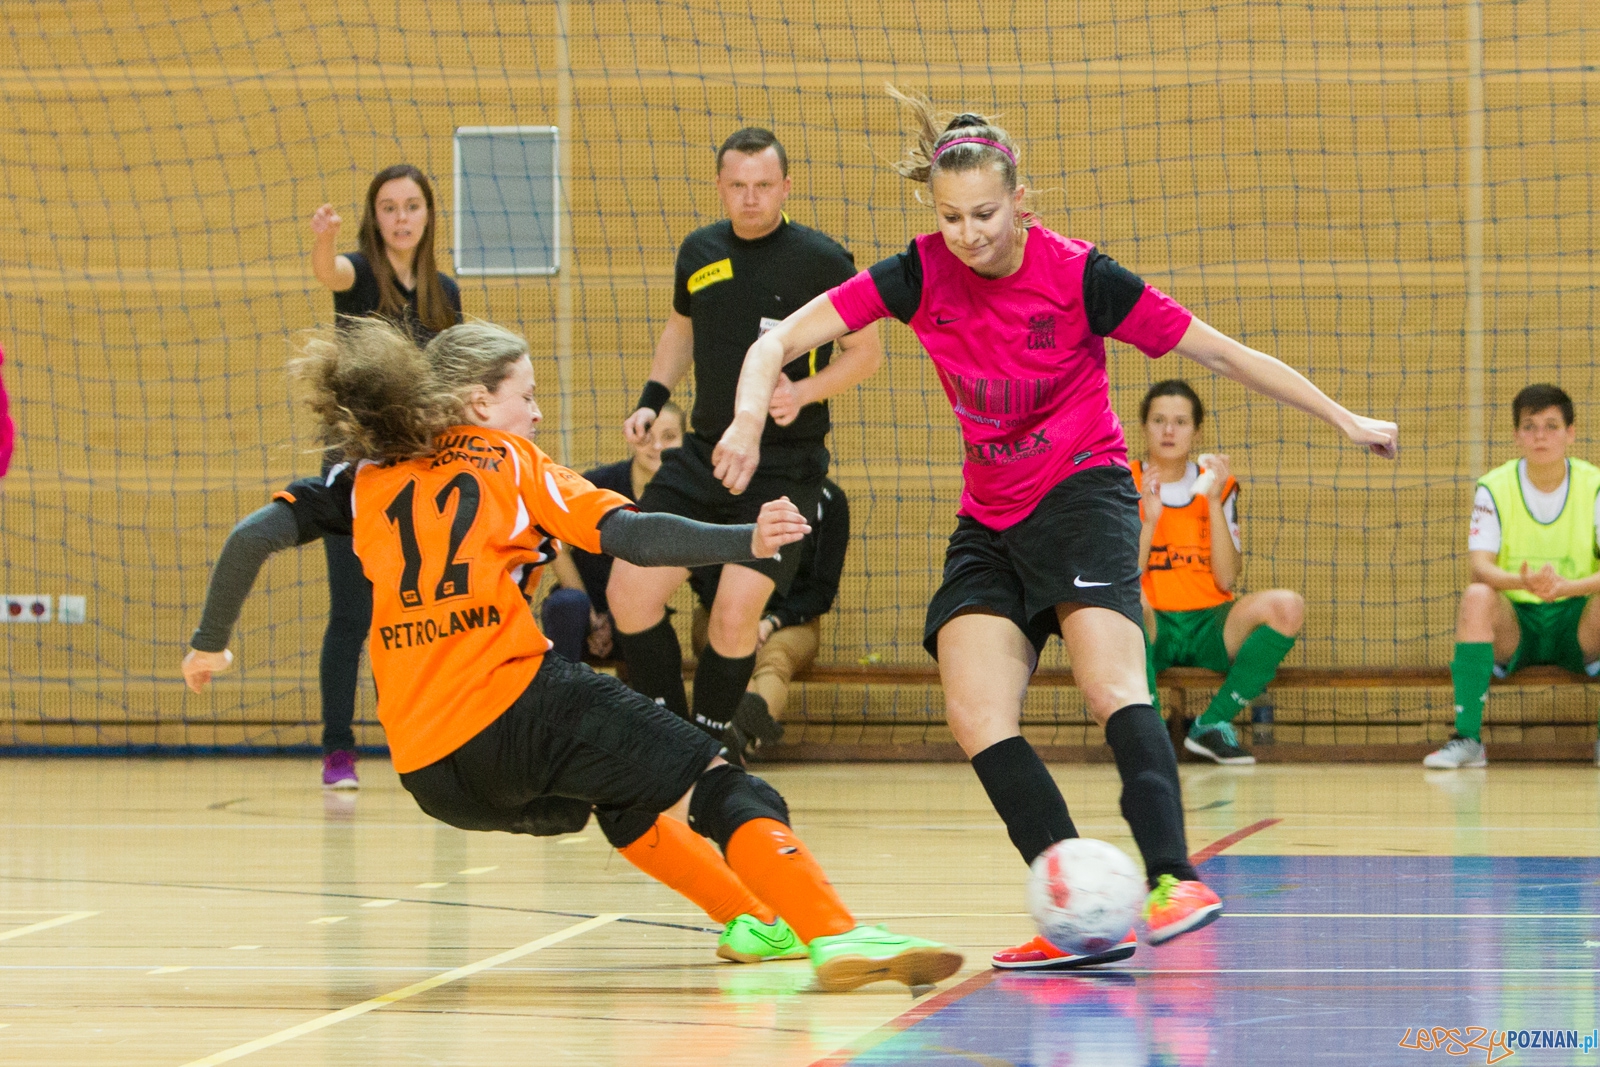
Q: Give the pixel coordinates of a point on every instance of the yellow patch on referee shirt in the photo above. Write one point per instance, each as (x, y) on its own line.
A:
(711, 274)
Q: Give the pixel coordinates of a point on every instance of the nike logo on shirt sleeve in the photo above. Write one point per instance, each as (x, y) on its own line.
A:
(937, 321)
(1081, 584)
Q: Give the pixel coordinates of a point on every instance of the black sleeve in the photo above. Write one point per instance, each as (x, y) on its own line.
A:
(321, 506)
(657, 539)
(680, 285)
(816, 587)
(362, 297)
(256, 537)
(836, 267)
(899, 282)
(1109, 292)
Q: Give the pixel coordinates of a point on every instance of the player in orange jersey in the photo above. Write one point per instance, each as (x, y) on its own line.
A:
(1190, 548)
(453, 510)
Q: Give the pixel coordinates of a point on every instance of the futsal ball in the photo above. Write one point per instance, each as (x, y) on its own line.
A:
(1084, 895)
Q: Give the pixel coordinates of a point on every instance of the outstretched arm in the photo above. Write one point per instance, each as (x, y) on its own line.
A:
(256, 537)
(658, 539)
(736, 456)
(1271, 377)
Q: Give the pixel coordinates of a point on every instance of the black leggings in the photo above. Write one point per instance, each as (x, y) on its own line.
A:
(349, 619)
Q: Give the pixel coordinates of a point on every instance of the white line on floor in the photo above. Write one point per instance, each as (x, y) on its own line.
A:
(375, 1003)
(60, 920)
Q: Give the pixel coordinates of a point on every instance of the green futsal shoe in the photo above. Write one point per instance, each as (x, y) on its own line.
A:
(746, 939)
(872, 954)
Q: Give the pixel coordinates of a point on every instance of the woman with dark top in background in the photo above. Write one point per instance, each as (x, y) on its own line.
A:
(393, 275)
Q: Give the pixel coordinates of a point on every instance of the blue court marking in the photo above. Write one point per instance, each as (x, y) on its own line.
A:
(1276, 983)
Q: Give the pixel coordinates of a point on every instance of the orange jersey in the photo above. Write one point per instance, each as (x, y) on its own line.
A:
(448, 542)
(1178, 576)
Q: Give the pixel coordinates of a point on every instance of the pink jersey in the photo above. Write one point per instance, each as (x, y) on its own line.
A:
(1022, 358)
(7, 433)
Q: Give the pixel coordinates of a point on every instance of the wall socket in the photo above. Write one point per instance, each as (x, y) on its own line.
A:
(37, 609)
(26, 608)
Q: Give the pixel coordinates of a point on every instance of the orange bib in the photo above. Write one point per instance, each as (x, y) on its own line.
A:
(1177, 576)
(446, 541)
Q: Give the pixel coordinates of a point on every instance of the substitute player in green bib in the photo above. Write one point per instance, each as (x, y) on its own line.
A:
(1191, 558)
(1535, 568)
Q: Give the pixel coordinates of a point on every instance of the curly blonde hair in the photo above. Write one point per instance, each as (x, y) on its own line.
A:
(377, 396)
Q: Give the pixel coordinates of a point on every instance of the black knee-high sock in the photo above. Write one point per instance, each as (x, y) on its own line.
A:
(1152, 799)
(719, 683)
(655, 665)
(1025, 796)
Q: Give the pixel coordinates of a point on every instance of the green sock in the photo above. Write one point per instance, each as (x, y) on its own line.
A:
(1470, 672)
(1150, 670)
(1253, 670)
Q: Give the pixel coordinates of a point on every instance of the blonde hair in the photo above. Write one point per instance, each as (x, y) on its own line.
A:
(378, 396)
(928, 153)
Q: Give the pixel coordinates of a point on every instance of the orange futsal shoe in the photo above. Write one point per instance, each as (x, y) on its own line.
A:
(1040, 955)
(1175, 907)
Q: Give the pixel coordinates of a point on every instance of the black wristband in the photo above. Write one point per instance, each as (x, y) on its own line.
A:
(654, 395)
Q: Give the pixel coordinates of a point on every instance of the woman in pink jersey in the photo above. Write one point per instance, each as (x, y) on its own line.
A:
(1047, 539)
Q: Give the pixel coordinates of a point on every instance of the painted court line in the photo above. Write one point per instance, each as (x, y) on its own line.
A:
(332, 1018)
(907, 1019)
(59, 920)
(1220, 844)
(1403, 915)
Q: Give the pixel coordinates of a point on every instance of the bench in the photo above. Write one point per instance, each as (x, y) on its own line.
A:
(1178, 683)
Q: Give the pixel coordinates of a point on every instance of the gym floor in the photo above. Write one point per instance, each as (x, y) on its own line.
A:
(189, 912)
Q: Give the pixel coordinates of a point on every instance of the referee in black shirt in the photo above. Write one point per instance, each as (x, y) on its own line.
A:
(735, 280)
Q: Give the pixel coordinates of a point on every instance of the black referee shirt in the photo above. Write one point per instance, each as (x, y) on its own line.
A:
(733, 289)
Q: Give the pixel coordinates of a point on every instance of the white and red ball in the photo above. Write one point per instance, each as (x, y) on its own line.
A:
(1084, 895)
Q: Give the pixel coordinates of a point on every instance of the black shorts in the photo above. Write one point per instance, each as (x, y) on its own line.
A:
(574, 738)
(686, 486)
(1079, 546)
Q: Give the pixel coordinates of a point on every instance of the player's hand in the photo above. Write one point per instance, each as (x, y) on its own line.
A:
(198, 667)
(1543, 583)
(779, 524)
(1382, 438)
(737, 455)
(1217, 464)
(785, 403)
(636, 427)
(599, 640)
(765, 630)
(325, 221)
(1150, 497)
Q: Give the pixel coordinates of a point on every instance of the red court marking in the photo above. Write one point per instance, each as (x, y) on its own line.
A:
(908, 1019)
(1222, 843)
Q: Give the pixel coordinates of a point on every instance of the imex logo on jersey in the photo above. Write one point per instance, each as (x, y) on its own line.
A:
(468, 448)
(1034, 443)
(426, 632)
(1496, 1045)
(720, 271)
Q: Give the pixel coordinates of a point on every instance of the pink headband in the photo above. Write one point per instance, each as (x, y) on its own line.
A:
(977, 140)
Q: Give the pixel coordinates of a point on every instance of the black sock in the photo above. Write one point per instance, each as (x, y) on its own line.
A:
(1026, 797)
(1152, 799)
(655, 665)
(719, 683)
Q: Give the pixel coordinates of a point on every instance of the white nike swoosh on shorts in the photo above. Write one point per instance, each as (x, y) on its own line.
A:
(1081, 584)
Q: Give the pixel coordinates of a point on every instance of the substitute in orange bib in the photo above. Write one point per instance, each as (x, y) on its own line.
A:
(452, 512)
(1189, 571)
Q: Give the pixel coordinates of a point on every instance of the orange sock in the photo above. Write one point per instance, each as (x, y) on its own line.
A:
(681, 859)
(779, 867)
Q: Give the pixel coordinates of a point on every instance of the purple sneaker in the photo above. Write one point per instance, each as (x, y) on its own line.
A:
(339, 770)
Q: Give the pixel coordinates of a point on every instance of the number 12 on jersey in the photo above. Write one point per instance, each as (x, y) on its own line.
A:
(401, 513)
